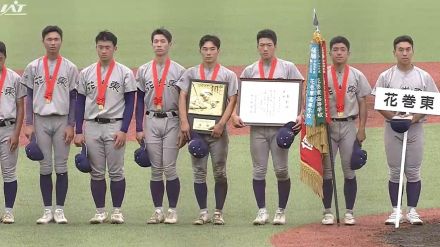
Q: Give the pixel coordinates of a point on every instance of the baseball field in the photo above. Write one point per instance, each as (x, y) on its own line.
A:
(369, 25)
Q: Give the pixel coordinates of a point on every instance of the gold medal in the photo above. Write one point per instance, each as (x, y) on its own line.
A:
(100, 107)
(47, 101)
(340, 114)
(159, 107)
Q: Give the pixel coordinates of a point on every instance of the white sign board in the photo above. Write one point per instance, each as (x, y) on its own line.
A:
(269, 102)
(401, 100)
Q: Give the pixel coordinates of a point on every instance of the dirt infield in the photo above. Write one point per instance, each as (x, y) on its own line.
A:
(370, 231)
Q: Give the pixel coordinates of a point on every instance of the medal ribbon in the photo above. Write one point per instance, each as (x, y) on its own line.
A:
(159, 84)
(3, 77)
(214, 74)
(102, 85)
(50, 80)
(340, 90)
(273, 64)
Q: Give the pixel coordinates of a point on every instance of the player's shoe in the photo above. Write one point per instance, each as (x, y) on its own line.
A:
(328, 219)
(217, 218)
(413, 217)
(99, 218)
(59, 217)
(279, 218)
(46, 218)
(8, 218)
(392, 218)
(117, 217)
(157, 217)
(171, 217)
(349, 219)
(262, 217)
(203, 218)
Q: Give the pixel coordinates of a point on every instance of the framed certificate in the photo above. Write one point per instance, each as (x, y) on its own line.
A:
(206, 104)
(269, 102)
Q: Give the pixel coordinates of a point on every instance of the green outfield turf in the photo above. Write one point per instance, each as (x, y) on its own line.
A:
(304, 207)
(370, 25)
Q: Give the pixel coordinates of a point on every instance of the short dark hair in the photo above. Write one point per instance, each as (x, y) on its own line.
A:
(3, 48)
(106, 36)
(214, 39)
(339, 39)
(267, 33)
(163, 32)
(50, 29)
(403, 38)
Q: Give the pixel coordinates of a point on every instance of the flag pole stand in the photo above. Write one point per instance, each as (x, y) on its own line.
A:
(332, 162)
(402, 168)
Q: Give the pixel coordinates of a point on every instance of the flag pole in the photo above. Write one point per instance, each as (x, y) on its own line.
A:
(332, 161)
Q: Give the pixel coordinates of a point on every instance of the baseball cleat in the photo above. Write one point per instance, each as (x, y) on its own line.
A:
(117, 217)
(46, 218)
(171, 217)
(99, 218)
(279, 218)
(8, 218)
(157, 217)
(328, 219)
(349, 219)
(59, 216)
(413, 217)
(217, 218)
(392, 218)
(203, 218)
(262, 217)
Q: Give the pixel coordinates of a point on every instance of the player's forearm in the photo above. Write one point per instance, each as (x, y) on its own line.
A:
(20, 116)
(79, 113)
(182, 107)
(228, 111)
(72, 103)
(235, 110)
(386, 114)
(140, 110)
(29, 107)
(363, 113)
(128, 110)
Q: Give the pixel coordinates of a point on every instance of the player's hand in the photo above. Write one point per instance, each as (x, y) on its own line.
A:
(237, 122)
(79, 140)
(68, 135)
(361, 136)
(298, 125)
(181, 141)
(217, 130)
(140, 137)
(13, 142)
(28, 131)
(185, 130)
(119, 138)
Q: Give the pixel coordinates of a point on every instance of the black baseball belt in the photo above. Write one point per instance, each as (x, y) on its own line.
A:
(7, 122)
(162, 114)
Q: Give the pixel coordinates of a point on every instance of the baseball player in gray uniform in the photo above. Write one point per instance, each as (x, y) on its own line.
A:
(50, 82)
(106, 94)
(218, 141)
(348, 88)
(404, 75)
(157, 101)
(263, 138)
(11, 120)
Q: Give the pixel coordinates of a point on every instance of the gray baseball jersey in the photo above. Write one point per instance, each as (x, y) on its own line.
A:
(343, 133)
(100, 137)
(34, 78)
(12, 91)
(161, 133)
(263, 138)
(415, 79)
(218, 147)
(121, 81)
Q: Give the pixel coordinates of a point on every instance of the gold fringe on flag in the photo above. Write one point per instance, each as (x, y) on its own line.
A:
(312, 178)
(317, 137)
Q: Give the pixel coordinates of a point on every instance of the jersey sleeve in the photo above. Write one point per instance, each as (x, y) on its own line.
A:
(233, 84)
(73, 77)
(28, 77)
(81, 85)
(20, 89)
(140, 82)
(293, 72)
(430, 84)
(184, 81)
(129, 81)
(379, 83)
(363, 87)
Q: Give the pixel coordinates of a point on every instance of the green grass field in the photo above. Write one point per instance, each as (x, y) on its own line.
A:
(304, 207)
(370, 25)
